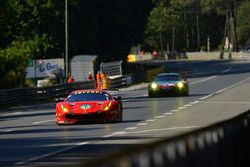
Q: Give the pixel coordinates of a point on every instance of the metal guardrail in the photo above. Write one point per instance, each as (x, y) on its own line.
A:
(12, 97)
(223, 144)
(28, 95)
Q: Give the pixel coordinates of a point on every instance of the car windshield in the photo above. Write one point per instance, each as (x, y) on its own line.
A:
(168, 78)
(88, 97)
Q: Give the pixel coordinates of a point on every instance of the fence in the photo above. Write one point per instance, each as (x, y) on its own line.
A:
(28, 95)
(224, 144)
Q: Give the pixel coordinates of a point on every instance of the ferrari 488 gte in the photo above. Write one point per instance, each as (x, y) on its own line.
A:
(89, 105)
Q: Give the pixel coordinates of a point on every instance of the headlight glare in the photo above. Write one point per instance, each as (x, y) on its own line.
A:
(154, 85)
(64, 108)
(107, 107)
(180, 84)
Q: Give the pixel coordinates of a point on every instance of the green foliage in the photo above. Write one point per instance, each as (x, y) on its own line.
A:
(162, 19)
(220, 6)
(14, 61)
(31, 19)
(243, 23)
(181, 15)
(36, 28)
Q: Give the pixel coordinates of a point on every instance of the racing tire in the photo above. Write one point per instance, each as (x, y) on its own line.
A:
(150, 95)
(119, 116)
(59, 124)
(186, 93)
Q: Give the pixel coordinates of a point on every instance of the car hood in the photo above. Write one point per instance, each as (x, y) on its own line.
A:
(87, 106)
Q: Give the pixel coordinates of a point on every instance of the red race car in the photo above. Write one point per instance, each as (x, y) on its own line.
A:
(89, 105)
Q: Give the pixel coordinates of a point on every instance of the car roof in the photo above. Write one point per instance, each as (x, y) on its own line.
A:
(89, 90)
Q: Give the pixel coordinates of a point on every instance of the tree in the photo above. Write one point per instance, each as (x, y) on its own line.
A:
(14, 60)
(162, 25)
(243, 18)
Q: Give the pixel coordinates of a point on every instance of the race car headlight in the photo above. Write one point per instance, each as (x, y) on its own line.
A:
(154, 85)
(64, 109)
(180, 84)
(107, 107)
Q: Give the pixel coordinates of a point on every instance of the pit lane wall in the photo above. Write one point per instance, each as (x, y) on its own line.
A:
(225, 144)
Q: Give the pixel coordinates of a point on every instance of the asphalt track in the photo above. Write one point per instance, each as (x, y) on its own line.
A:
(29, 135)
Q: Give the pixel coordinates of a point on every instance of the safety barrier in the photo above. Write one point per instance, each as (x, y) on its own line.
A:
(223, 144)
(117, 81)
(28, 95)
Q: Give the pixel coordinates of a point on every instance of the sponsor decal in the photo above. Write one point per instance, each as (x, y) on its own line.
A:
(88, 91)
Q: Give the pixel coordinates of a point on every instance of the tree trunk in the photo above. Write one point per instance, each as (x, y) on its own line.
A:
(224, 37)
(186, 30)
(234, 16)
(161, 44)
(197, 13)
(173, 39)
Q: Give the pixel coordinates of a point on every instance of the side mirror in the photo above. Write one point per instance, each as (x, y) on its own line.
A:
(117, 98)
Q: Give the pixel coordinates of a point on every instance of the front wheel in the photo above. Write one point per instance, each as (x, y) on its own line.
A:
(186, 93)
(119, 116)
(150, 94)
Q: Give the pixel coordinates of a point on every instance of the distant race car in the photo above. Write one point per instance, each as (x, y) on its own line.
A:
(167, 84)
(89, 105)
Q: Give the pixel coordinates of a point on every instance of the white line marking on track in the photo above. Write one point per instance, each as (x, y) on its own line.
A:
(203, 80)
(194, 102)
(160, 116)
(181, 108)
(219, 91)
(172, 128)
(205, 97)
(119, 133)
(39, 122)
(175, 110)
(227, 102)
(224, 89)
(130, 128)
(168, 113)
(142, 124)
(10, 114)
(51, 154)
(151, 120)
(107, 136)
(187, 105)
(6, 130)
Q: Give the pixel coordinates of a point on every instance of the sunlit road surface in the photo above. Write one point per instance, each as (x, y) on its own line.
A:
(30, 136)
